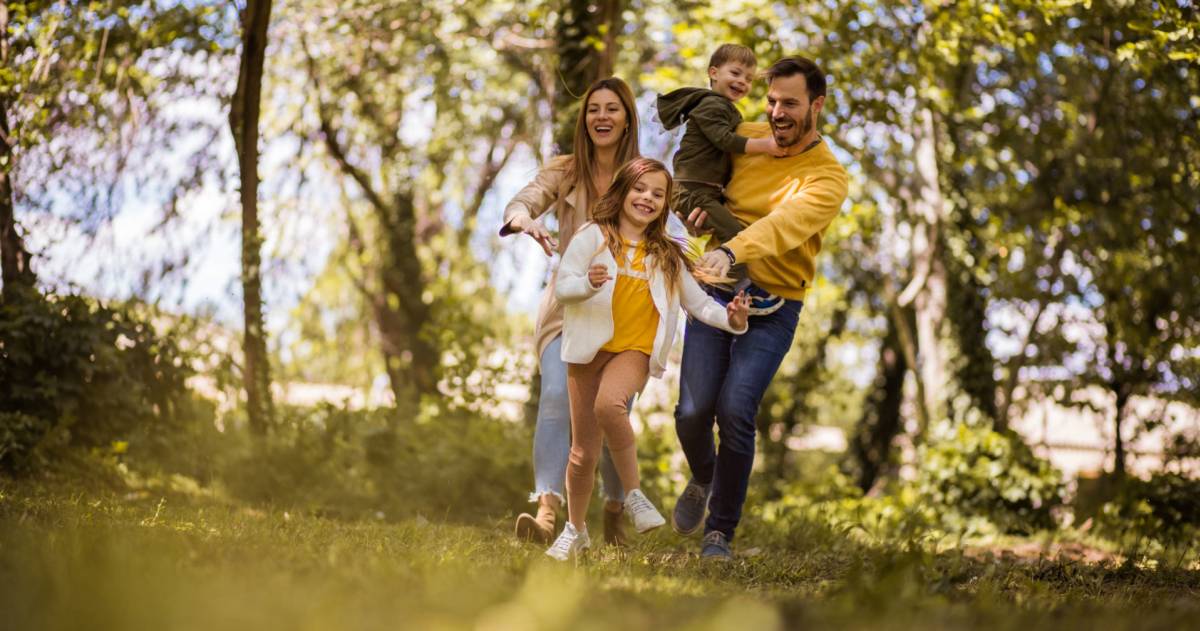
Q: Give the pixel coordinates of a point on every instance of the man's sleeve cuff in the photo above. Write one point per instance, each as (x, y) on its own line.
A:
(739, 250)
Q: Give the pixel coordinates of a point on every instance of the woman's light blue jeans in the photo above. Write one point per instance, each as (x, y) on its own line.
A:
(552, 436)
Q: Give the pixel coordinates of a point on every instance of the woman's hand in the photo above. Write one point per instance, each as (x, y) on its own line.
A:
(535, 229)
(598, 275)
(738, 310)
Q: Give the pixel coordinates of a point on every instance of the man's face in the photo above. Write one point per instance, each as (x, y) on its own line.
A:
(791, 114)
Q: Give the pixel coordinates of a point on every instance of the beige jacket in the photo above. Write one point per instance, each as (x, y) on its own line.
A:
(589, 310)
(550, 192)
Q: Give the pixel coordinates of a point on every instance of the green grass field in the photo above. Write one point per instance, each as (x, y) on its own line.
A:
(74, 559)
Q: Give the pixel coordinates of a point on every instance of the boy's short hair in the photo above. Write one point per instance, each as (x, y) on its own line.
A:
(726, 53)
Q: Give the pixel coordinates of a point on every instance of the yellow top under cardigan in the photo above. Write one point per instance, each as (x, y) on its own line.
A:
(787, 203)
(635, 318)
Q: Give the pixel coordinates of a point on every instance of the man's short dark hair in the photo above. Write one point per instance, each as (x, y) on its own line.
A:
(814, 79)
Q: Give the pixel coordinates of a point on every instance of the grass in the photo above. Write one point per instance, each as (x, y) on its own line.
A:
(74, 557)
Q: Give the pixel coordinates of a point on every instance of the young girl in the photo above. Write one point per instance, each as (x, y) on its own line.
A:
(619, 323)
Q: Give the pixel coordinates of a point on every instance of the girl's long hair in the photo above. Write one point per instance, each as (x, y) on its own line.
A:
(667, 253)
(583, 155)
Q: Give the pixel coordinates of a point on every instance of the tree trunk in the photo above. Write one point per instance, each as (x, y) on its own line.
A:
(881, 420)
(397, 301)
(243, 121)
(580, 60)
(15, 271)
(975, 365)
(927, 290)
(1123, 393)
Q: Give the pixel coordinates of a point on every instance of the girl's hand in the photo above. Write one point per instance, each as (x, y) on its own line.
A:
(535, 229)
(738, 310)
(598, 275)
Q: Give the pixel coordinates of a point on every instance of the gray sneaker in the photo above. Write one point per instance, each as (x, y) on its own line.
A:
(715, 547)
(688, 515)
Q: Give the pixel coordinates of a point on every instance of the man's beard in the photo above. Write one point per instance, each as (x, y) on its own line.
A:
(800, 130)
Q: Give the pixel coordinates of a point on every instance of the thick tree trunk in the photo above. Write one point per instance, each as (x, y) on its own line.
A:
(975, 366)
(926, 293)
(881, 421)
(243, 120)
(581, 61)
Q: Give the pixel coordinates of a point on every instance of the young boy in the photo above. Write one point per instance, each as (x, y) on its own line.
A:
(702, 164)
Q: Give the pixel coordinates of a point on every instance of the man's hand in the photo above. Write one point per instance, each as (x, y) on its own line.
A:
(695, 222)
(598, 275)
(738, 310)
(715, 263)
(535, 229)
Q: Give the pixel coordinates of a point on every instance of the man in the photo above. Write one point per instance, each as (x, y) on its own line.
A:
(788, 203)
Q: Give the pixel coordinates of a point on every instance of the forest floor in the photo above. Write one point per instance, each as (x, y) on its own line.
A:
(75, 557)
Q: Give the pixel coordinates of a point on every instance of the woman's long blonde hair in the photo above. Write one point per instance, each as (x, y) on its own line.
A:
(583, 153)
(667, 253)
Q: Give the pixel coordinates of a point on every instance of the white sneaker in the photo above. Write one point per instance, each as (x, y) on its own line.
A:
(570, 543)
(645, 517)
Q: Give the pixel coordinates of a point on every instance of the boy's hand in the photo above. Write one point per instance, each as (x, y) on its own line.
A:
(598, 275)
(775, 150)
(766, 145)
(738, 310)
(695, 222)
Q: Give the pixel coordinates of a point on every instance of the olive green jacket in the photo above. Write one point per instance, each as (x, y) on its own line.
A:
(711, 136)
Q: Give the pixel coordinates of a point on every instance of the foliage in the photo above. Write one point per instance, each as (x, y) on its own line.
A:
(976, 472)
(1164, 510)
(91, 96)
(337, 461)
(972, 482)
(74, 371)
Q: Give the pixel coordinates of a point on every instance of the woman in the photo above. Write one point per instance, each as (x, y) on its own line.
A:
(606, 136)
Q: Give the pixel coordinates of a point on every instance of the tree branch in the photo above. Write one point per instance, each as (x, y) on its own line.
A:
(329, 136)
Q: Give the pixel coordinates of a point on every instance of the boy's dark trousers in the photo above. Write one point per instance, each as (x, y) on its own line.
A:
(709, 198)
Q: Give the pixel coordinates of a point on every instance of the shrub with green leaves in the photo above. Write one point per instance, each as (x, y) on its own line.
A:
(1164, 509)
(82, 373)
(978, 473)
(337, 461)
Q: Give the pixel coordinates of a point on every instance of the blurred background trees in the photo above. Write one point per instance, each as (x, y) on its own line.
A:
(1021, 226)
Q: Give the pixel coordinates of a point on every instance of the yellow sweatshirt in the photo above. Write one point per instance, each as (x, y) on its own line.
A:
(787, 204)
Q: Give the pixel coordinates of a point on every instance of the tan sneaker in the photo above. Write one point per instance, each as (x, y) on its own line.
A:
(541, 527)
(614, 524)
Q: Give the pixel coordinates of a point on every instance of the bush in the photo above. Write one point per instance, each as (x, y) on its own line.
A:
(979, 473)
(972, 482)
(1164, 510)
(338, 461)
(85, 374)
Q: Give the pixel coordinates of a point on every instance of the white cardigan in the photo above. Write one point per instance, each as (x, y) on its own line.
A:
(588, 322)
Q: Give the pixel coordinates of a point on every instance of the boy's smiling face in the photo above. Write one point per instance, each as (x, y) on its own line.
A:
(731, 79)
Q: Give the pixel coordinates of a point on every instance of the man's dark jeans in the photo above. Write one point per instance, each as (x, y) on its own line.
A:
(722, 379)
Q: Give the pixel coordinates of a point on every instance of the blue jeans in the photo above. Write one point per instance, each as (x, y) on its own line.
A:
(722, 379)
(552, 436)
